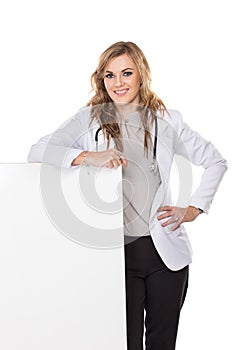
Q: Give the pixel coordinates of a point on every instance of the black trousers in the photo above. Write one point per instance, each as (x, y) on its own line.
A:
(154, 297)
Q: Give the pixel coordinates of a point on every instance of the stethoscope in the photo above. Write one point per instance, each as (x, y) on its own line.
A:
(153, 166)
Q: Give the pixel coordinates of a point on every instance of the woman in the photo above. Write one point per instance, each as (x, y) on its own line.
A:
(157, 249)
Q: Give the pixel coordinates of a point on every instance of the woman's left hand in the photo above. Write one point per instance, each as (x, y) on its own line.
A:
(177, 215)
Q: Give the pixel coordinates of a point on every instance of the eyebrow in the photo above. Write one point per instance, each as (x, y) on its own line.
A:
(123, 70)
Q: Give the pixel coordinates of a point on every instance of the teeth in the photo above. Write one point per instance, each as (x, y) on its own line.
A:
(122, 92)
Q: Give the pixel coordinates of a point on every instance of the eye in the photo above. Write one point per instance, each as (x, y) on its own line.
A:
(109, 76)
(127, 74)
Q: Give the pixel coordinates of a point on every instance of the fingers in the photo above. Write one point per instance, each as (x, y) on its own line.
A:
(167, 212)
(175, 215)
(113, 163)
(166, 207)
(122, 158)
(110, 158)
(124, 161)
(116, 159)
(174, 219)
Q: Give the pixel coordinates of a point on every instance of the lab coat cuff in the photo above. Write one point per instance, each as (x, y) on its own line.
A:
(70, 156)
(200, 205)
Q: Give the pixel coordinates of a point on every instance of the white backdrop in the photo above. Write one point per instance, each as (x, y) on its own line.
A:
(49, 50)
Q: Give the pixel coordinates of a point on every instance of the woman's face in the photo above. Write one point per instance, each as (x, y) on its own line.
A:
(122, 80)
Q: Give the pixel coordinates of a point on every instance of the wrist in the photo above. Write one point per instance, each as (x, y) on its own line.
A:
(200, 211)
(81, 158)
(84, 155)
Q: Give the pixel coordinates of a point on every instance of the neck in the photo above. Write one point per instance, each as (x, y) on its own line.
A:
(124, 109)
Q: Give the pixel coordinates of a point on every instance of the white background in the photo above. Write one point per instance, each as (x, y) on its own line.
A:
(49, 50)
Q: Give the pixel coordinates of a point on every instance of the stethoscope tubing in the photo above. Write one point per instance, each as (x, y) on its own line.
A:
(155, 138)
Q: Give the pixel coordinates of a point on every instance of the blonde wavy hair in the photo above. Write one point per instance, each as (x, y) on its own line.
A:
(103, 108)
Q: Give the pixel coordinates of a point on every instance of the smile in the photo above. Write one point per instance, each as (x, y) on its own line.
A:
(121, 92)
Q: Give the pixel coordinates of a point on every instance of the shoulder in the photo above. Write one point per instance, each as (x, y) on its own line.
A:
(83, 114)
(172, 119)
(79, 124)
(83, 117)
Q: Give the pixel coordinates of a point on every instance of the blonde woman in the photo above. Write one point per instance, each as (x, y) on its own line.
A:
(145, 137)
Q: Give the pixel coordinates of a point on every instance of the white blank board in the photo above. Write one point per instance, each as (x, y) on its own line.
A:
(56, 292)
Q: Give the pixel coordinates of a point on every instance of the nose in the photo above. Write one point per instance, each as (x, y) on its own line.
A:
(118, 81)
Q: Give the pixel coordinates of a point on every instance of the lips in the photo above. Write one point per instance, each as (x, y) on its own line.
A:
(121, 92)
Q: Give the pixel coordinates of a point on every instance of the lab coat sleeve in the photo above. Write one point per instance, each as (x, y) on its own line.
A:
(61, 147)
(203, 153)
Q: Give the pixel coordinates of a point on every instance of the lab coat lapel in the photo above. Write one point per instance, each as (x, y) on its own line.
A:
(164, 156)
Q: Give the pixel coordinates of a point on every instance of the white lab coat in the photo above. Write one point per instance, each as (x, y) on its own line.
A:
(175, 141)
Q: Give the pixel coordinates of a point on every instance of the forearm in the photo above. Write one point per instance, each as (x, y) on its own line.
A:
(201, 152)
(109, 158)
(59, 148)
(58, 155)
(80, 158)
(210, 181)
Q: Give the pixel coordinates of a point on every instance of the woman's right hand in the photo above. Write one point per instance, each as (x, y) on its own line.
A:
(110, 158)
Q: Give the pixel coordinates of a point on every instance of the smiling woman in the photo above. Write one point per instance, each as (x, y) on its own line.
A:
(122, 80)
(157, 248)
(123, 76)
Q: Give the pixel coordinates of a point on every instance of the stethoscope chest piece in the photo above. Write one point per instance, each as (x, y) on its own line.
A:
(153, 166)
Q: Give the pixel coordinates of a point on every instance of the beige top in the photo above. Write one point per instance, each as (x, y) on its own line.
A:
(139, 182)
